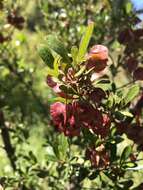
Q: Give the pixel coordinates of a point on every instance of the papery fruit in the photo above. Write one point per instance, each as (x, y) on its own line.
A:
(97, 95)
(138, 73)
(126, 36)
(97, 58)
(131, 64)
(56, 87)
(63, 117)
(98, 157)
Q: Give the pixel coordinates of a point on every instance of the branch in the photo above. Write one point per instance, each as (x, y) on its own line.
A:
(7, 142)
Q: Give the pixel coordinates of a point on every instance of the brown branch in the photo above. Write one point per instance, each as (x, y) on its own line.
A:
(7, 142)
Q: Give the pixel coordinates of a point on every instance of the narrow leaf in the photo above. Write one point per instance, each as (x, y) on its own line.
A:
(126, 153)
(62, 146)
(74, 53)
(126, 113)
(84, 42)
(132, 93)
(79, 73)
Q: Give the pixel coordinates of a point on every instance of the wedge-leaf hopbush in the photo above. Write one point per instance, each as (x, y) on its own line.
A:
(88, 107)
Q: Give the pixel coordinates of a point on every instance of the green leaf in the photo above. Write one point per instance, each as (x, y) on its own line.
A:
(83, 173)
(139, 167)
(46, 56)
(88, 136)
(42, 173)
(110, 101)
(126, 153)
(93, 175)
(51, 154)
(126, 184)
(129, 165)
(84, 42)
(106, 179)
(122, 114)
(74, 53)
(118, 139)
(57, 99)
(32, 156)
(79, 73)
(62, 146)
(44, 6)
(126, 113)
(128, 7)
(54, 44)
(132, 93)
(55, 71)
(56, 66)
(104, 84)
(113, 149)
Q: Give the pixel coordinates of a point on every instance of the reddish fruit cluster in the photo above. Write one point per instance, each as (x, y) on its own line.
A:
(65, 119)
(97, 95)
(132, 40)
(99, 157)
(133, 132)
(16, 21)
(56, 85)
(131, 64)
(125, 36)
(128, 35)
(71, 118)
(84, 110)
(137, 109)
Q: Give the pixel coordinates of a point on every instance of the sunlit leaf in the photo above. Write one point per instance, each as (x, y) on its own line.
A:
(62, 146)
(51, 156)
(46, 56)
(132, 93)
(74, 53)
(85, 41)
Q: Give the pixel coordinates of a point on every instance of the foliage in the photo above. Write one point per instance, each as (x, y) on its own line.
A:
(85, 130)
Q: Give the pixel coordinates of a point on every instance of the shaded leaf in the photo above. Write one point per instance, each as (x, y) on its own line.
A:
(54, 44)
(126, 153)
(67, 89)
(46, 56)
